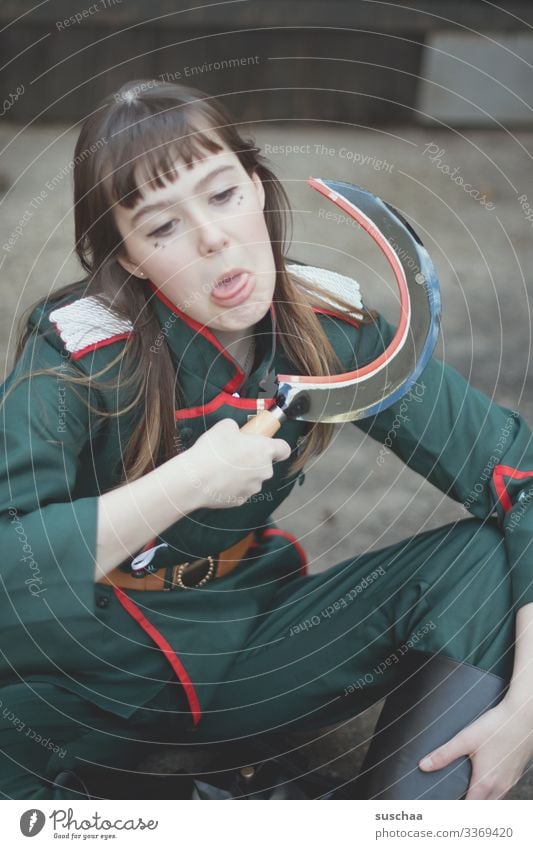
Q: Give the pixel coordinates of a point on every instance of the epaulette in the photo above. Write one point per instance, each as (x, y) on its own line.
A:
(87, 324)
(331, 281)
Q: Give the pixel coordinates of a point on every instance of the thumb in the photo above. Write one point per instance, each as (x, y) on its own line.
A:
(282, 450)
(444, 755)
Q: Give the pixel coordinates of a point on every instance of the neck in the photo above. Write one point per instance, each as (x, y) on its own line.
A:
(233, 337)
(236, 342)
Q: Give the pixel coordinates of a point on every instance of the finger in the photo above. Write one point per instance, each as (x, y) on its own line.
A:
(459, 745)
(282, 449)
(230, 424)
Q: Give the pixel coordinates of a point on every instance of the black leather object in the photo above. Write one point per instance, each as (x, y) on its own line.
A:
(437, 698)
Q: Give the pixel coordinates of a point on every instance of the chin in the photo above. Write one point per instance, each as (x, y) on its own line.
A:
(243, 316)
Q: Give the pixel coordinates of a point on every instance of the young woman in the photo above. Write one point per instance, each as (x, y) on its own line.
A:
(122, 448)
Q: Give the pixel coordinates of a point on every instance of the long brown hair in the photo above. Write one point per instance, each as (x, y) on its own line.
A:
(149, 122)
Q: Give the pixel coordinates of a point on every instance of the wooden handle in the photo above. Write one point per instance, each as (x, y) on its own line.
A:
(264, 424)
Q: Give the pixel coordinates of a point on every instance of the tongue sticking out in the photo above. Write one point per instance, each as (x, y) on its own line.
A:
(231, 286)
(226, 282)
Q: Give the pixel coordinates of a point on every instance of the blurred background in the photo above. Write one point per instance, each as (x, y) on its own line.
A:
(427, 104)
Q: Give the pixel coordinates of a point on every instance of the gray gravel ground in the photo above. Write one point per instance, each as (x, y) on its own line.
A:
(481, 244)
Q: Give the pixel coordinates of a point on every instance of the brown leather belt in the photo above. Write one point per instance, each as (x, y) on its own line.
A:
(183, 575)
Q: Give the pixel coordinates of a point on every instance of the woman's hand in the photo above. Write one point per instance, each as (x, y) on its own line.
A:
(227, 466)
(499, 744)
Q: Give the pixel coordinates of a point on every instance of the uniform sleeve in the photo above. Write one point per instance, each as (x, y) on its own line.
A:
(477, 452)
(47, 536)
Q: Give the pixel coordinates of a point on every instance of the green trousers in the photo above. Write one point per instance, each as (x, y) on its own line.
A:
(329, 646)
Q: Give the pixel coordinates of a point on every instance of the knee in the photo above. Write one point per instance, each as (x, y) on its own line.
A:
(467, 565)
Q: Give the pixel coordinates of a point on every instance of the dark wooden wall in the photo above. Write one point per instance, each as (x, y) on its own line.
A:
(344, 60)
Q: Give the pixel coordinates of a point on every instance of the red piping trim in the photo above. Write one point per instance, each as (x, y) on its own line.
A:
(160, 641)
(75, 355)
(338, 315)
(78, 354)
(239, 377)
(273, 532)
(218, 401)
(399, 273)
(509, 472)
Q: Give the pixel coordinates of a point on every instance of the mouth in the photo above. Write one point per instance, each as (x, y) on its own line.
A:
(234, 284)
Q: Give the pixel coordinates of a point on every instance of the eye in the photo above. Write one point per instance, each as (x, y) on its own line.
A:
(224, 196)
(219, 199)
(163, 230)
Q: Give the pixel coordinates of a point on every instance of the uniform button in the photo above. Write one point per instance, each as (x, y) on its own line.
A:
(102, 601)
(248, 772)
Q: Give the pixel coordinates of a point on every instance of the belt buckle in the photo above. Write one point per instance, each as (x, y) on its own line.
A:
(182, 575)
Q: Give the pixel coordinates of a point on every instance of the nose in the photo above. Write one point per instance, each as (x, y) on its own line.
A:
(210, 235)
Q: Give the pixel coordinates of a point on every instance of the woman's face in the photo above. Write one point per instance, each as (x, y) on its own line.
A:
(210, 222)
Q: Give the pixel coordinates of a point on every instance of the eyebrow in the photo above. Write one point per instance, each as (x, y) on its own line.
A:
(162, 204)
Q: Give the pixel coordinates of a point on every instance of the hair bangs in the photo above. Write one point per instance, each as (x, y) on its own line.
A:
(146, 153)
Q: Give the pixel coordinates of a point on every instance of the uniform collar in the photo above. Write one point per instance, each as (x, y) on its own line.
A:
(197, 353)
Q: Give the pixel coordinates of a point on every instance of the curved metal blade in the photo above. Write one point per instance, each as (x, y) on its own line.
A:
(377, 385)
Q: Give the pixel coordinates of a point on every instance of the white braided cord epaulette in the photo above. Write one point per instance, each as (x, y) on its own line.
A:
(331, 281)
(86, 324)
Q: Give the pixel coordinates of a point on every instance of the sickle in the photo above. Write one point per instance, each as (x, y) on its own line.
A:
(374, 387)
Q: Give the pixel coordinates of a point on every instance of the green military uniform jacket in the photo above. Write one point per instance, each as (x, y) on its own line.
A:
(59, 626)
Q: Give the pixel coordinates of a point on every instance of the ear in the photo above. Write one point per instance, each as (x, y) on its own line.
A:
(260, 189)
(129, 266)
